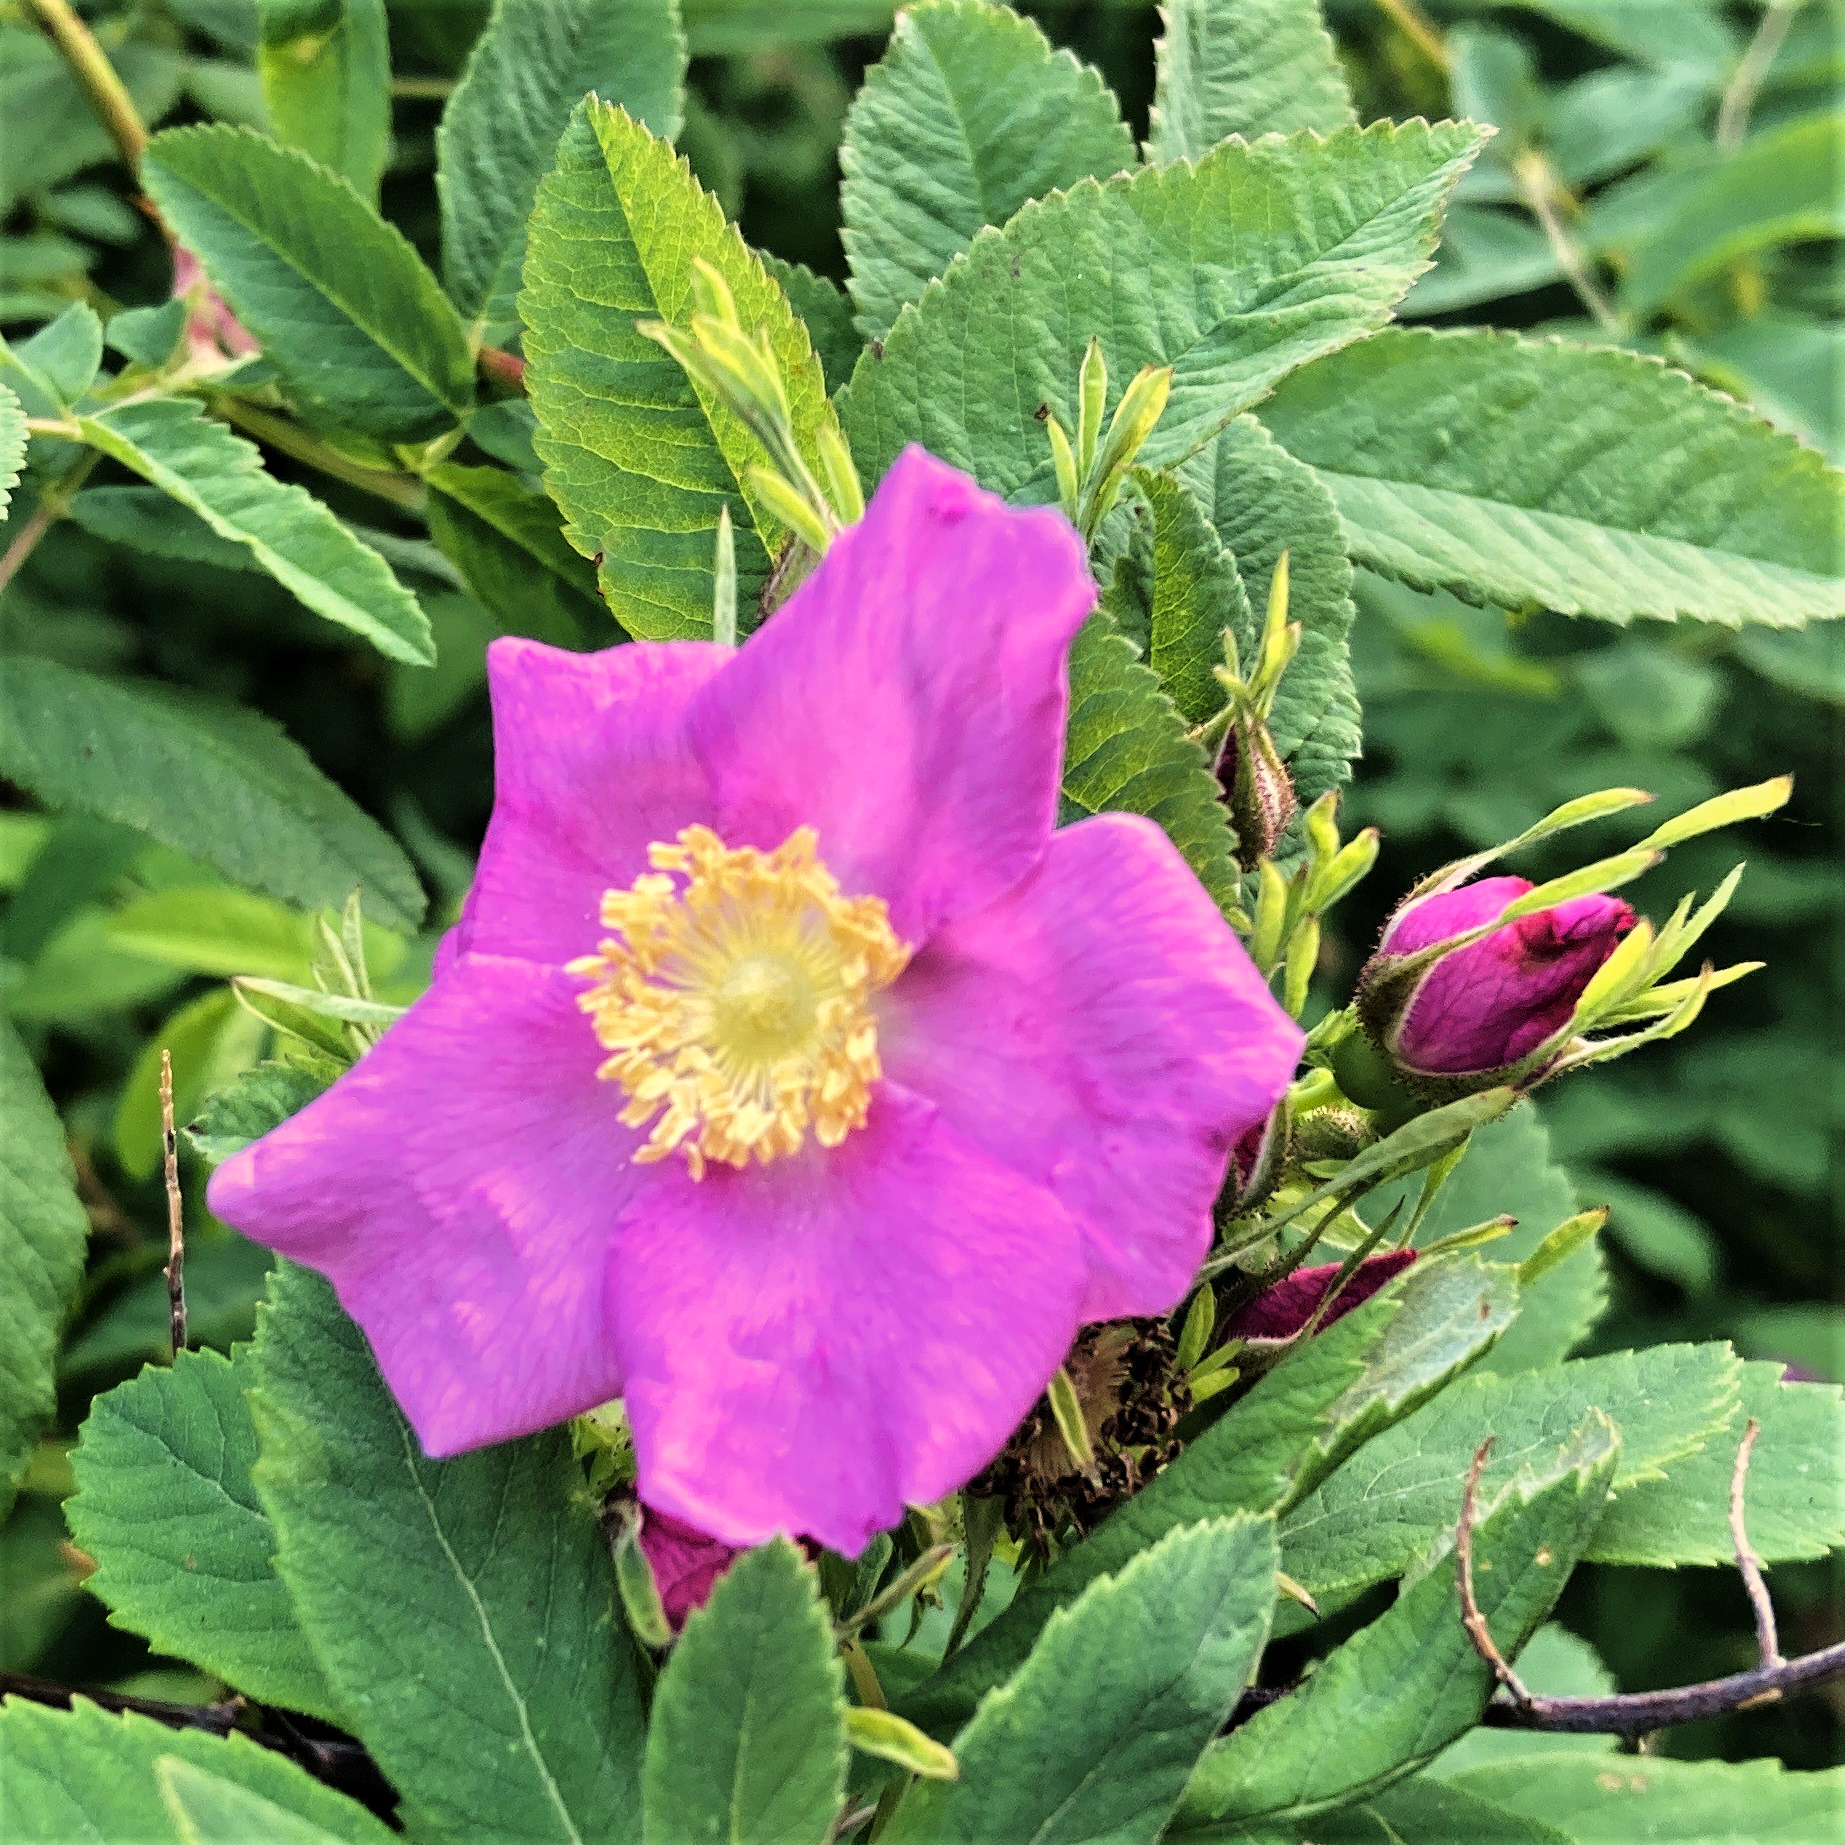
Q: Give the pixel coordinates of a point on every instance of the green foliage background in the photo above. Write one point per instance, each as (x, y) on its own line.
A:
(1719, 1153)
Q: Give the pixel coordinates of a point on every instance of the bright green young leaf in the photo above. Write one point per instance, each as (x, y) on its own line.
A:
(12, 446)
(967, 115)
(62, 358)
(1522, 471)
(79, 1776)
(326, 71)
(1233, 273)
(1372, 1367)
(1779, 187)
(1794, 1501)
(638, 460)
(210, 930)
(529, 68)
(1094, 1738)
(505, 539)
(212, 781)
(1263, 502)
(221, 478)
(346, 309)
(825, 310)
(463, 1610)
(258, 1100)
(1384, 1507)
(1228, 67)
(1598, 1801)
(1403, 1688)
(206, 1809)
(746, 1740)
(1126, 751)
(182, 1546)
(43, 1235)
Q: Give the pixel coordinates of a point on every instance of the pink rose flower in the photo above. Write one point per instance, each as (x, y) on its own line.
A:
(1488, 1005)
(787, 1074)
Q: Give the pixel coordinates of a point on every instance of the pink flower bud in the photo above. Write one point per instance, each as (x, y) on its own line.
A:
(1286, 1307)
(1257, 789)
(1484, 1007)
(685, 1563)
(212, 330)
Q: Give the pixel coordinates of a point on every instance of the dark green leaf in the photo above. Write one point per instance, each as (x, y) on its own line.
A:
(825, 311)
(463, 1610)
(217, 783)
(165, 1506)
(326, 70)
(345, 308)
(260, 1099)
(746, 1740)
(527, 71)
(146, 519)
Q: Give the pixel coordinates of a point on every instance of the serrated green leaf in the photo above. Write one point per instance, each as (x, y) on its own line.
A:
(182, 1546)
(289, 533)
(1794, 1498)
(967, 115)
(1403, 1688)
(1243, 69)
(638, 459)
(826, 312)
(1779, 187)
(1594, 482)
(1603, 1802)
(78, 1776)
(1263, 502)
(1126, 751)
(326, 74)
(63, 357)
(1384, 1507)
(1233, 273)
(206, 1809)
(259, 1099)
(1358, 1376)
(342, 304)
(212, 781)
(12, 446)
(146, 519)
(1092, 1741)
(746, 1739)
(1419, 1811)
(43, 1235)
(490, 1679)
(529, 68)
(507, 542)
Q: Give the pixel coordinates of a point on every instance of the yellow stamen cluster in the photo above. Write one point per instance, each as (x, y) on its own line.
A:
(734, 998)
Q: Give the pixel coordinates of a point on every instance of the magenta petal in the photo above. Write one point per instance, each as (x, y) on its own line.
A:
(909, 700)
(1284, 1309)
(1450, 912)
(590, 767)
(1101, 1031)
(685, 1563)
(812, 1345)
(458, 1186)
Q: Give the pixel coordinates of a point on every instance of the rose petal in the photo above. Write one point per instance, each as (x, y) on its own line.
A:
(909, 700)
(1101, 1031)
(458, 1186)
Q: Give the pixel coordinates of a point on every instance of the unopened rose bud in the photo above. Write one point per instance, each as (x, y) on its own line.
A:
(1258, 789)
(1284, 1309)
(212, 330)
(1258, 1158)
(1474, 1013)
(685, 1563)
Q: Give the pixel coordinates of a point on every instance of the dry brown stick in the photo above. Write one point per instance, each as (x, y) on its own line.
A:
(1767, 1640)
(1471, 1617)
(176, 1215)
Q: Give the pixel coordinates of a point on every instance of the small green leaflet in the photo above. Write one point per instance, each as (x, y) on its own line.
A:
(346, 309)
(12, 446)
(967, 115)
(62, 358)
(44, 1232)
(635, 457)
(220, 477)
(1251, 68)
(76, 1776)
(326, 71)
(529, 68)
(259, 1099)
(1096, 1735)
(206, 1809)
(212, 781)
(746, 1739)
(463, 1610)
(165, 1506)
(1531, 472)
(1233, 272)
(1403, 1688)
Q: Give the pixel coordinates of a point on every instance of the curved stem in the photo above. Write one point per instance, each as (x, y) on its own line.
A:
(90, 65)
(292, 440)
(1745, 85)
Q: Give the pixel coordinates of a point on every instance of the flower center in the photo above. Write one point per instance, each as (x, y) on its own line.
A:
(734, 998)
